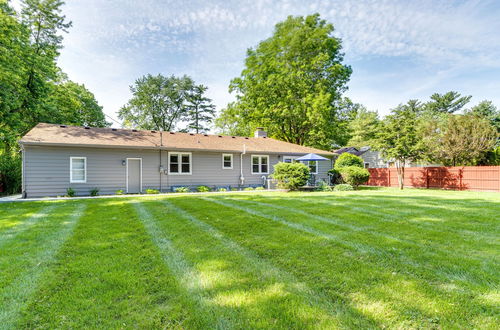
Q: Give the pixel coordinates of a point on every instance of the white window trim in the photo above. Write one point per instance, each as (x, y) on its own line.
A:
(71, 170)
(306, 162)
(126, 174)
(251, 164)
(227, 168)
(180, 153)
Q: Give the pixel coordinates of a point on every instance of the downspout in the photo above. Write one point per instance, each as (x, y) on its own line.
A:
(23, 171)
(242, 179)
(161, 145)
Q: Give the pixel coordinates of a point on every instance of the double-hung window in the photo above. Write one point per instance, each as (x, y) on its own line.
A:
(289, 159)
(260, 164)
(313, 166)
(179, 163)
(78, 169)
(227, 161)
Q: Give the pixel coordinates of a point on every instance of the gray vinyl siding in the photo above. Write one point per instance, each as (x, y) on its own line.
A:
(47, 170)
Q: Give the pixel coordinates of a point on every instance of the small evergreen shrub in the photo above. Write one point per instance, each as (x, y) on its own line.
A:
(70, 192)
(291, 175)
(152, 191)
(181, 189)
(222, 189)
(203, 189)
(94, 192)
(346, 160)
(343, 187)
(260, 188)
(248, 189)
(234, 189)
(119, 192)
(354, 175)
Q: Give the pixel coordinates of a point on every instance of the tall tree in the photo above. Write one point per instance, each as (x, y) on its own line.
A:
(293, 82)
(459, 139)
(157, 102)
(488, 110)
(450, 102)
(231, 121)
(73, 104)
(200, 110)
(363, 128)
(399, 138)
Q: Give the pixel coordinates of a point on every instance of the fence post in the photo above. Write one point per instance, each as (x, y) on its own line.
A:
(389, 176)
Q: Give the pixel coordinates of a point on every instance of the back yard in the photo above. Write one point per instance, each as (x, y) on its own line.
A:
(370, 258)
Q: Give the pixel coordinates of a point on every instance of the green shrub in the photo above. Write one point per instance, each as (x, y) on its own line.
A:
(10, 173)
(248, 189)
(152, 191)
(323, 186)
(343, 187)
(119, 192)
(291, 175)
(222, 189)
(354, 175)
(260, 188)
(234, 189)
(181, 190)
(94, 192)
(70, 192)
(347, 159)
(203, 189)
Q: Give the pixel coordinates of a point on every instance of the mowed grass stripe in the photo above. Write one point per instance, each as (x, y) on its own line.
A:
(259, 265)
(24, 222)
(108, 275)
(426, 247)
(394, 256)
(13, 214)
(13, 298)
(189, 279)
(237, 290)
(343, 276)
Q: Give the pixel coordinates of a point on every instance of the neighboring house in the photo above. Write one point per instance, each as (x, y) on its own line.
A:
(56, 157)
(374, 159)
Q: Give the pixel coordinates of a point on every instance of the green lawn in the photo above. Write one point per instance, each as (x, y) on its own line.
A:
(366, 259)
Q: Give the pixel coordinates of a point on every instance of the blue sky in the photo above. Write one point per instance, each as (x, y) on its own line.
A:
(398, 50)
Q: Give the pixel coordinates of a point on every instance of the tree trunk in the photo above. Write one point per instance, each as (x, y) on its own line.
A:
(401, 174)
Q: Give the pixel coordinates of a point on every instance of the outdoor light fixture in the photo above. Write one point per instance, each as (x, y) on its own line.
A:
(161, 168)
(124, 162)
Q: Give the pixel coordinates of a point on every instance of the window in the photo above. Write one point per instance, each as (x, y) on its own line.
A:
(179, 163)
(313, 166)
(227, 161)
(289, 159)
(78, 169)
(260, 164)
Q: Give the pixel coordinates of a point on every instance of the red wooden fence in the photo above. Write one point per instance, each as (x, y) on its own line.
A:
(485, 178)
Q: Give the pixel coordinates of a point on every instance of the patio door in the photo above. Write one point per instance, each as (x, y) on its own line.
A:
(134, 175)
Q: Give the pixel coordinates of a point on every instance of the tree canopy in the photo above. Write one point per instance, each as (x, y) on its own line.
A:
(363, 128)
(292, 84)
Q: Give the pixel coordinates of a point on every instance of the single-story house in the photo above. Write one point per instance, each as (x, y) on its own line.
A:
(57, 157)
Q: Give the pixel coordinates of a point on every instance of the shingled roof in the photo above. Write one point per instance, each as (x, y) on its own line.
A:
(63, 135)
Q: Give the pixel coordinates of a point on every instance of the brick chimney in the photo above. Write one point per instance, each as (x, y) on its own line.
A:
(259, 132)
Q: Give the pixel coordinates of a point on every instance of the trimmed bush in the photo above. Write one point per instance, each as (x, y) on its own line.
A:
(343, 187)
(119, 192)
(70, 192)
(291, 175)
(354, 175)
(248, 189)
(181, 189)
(152, 191)
(323, 186)
(234, 189)
(203, 189)
(347, 159)
(260, 188)
(222, 189)
(94, 192)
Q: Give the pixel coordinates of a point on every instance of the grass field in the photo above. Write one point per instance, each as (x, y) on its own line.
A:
(364, 259)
